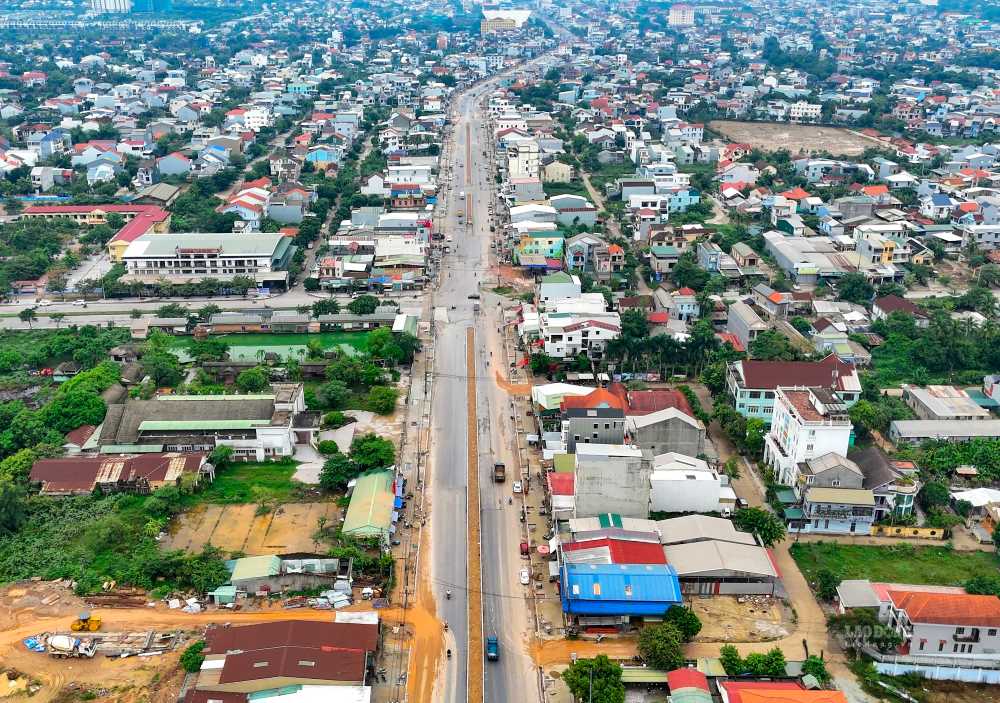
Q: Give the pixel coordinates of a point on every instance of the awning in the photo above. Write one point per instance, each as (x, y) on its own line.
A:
(398, 503)
(524, 362)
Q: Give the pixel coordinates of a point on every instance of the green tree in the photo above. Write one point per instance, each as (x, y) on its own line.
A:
(221, 457)
(57, 317)
(363, 305)
(382, 400)
(731, 660)
(208, 349)
(328, 306)
(855, 288)
(12, 507)
(334, 394)
(27, 315)
(597, 680)
(815, 666)
(327, 447)
(660, 646)
(336, 472)
(163, 367)
(934, 494)
(69, 410)
(772, 345)
(10, 360)
(981, 584)
(766, 525)
(172, 310)
(541, 363)
(685, 620)
(205, 312)
(17, 467)
(826, 584)
(372, 452)
(255, 380)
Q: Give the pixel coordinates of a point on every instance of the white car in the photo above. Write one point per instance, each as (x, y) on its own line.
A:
(517, 486)
(525, 577)
(81, 302)
(43, 303)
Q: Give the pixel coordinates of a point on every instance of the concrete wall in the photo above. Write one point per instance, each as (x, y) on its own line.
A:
(671, 492)
(587, 427)
(673, 435)
(612, 485)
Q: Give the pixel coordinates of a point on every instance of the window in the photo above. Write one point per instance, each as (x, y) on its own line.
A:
(992, 632)
(941, 646)
(959, 630)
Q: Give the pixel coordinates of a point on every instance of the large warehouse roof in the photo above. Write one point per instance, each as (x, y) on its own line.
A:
(716, 558)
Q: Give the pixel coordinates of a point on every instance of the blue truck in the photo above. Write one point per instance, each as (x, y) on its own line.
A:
(492, 648)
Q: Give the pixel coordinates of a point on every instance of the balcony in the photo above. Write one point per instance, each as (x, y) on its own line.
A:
(967, 637)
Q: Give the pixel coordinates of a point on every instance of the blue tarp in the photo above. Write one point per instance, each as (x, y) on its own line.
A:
(398, 503)
(34, 644)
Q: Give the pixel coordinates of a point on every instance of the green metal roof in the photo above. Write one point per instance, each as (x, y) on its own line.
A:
(256, 567)
(786, 496)
(202, 424)
(794, 513)
(610, 520)
(641, 674)
(564, 463)
(131, 448)
(370, 511)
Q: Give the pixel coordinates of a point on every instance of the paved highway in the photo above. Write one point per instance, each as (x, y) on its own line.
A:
(466, 271)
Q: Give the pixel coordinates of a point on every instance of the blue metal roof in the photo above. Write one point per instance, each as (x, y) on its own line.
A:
(619, 589)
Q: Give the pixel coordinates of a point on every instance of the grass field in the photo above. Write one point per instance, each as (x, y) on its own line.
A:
(902, 563)
(250, 482)
(244, 347)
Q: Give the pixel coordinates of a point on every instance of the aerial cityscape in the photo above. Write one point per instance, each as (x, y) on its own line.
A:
(521, 352)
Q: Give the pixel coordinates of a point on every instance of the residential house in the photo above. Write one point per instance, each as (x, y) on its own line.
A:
(752, 383)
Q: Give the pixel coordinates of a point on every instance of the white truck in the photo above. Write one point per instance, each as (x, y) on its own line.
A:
(61, 646)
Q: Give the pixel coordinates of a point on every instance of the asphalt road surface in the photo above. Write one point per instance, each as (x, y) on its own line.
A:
(465, 271)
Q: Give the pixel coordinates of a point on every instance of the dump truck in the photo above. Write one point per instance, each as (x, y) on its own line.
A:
(61, 646)
(492, 648)
(499, 472)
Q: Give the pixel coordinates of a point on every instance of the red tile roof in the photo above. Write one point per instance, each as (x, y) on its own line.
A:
(796, 194)
(783, 696)
(732, 339)
(80, 474)
(300, 663)
(948, 608)
(768, 375)
(561, 484)
(686, 678)
(686, 291)
(598, 398)
(735, 689)
(283, 633)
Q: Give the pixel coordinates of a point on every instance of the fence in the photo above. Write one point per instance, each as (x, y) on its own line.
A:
(929, 533)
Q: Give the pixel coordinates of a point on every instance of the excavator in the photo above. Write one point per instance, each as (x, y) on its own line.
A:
(86, 623)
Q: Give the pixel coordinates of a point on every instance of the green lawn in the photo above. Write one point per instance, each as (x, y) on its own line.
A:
(902, 563)
(250, 482)
(244, 347)
(572, 188)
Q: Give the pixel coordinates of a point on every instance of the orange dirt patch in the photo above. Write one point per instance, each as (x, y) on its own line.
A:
(552, 652)
(520, 389)
(237, 528)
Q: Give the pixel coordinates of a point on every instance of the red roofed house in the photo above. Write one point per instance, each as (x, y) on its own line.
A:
(775, 692)
(752, 383)
(139, 219)
(142, 473)
(797, 193)
(293, 655)
(958, 625)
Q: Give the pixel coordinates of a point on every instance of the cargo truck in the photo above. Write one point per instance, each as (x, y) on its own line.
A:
(499, 472)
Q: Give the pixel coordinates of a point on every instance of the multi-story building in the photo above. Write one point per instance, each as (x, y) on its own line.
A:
(195, 256)
(804, 112)
(807, 423)
(963, 628)
(752, 384)
(681, 15)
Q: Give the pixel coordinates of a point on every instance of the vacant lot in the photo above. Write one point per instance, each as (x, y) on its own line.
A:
(245, 347)
(237, 528)
(798, 139)
(898, 564)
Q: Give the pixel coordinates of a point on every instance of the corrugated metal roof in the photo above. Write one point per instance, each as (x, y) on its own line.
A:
(370, 511)
(146, 425)
(635, 589)
(256, 567)
(845, 496)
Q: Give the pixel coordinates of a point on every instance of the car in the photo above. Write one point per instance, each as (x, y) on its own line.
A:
(43, 303)
(473, 296)
(525, 577)
(525, 549)
(81, 302)
(517, 487)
